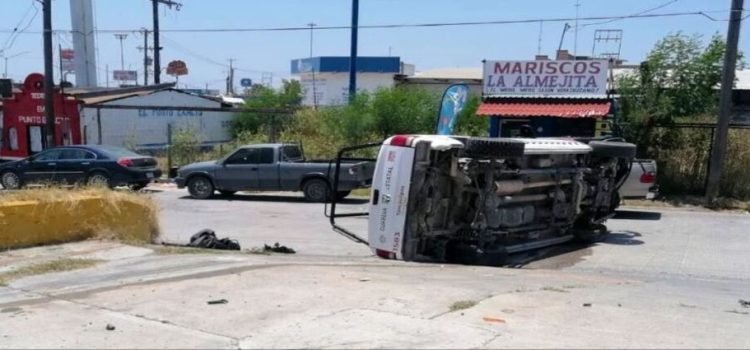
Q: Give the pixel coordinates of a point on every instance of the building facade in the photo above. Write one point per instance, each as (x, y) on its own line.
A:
(325, 80)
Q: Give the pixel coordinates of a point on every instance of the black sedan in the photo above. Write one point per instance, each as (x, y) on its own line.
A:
(86, 164)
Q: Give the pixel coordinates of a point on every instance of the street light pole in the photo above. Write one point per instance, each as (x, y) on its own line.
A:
(314, 88)
(121, 37)
(353, 55)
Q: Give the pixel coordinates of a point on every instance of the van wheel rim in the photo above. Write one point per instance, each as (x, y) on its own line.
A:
(10, 181)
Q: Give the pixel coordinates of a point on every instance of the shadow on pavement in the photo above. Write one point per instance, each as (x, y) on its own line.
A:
(623, 238)
(637, 215)
(273, 198)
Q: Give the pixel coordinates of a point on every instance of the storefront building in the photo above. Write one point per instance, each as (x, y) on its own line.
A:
(23, 130)
(546, 98)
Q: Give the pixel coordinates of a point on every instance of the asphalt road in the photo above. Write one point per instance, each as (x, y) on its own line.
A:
(642, 241)
(258, 219)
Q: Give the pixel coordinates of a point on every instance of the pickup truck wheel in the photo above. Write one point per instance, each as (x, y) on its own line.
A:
(10, 180)
(602, 149)
(316, 190)
(476, 147)
(200, 187)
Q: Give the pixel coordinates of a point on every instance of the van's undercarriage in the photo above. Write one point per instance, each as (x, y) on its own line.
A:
(494, 197)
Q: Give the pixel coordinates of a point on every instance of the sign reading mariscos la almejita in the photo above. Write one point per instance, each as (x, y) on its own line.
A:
(545, 77)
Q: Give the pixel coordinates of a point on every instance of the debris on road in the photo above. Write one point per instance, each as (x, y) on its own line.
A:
(207, 239)
(218, 302)
(493, 319)
(276, 248)
(744, 303)
(586, 304)
(110, 327)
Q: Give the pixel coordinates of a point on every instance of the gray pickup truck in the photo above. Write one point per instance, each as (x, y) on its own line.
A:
(272, 167)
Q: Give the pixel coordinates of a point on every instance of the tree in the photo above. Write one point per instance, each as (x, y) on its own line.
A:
(678, 81)
(288, 97)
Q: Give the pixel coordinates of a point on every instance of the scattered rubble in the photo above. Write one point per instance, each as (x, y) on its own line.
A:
(218, 302)
(276, 248)
(744, 303)
(110, 327)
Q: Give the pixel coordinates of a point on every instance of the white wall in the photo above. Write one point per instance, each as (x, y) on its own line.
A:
(147, 128)
(333, 88)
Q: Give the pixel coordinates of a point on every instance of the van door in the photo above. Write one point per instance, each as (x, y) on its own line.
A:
(389, 200)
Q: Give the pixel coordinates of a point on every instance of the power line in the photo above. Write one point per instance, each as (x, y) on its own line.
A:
(15, 32)
(705, 14)
(663, 5)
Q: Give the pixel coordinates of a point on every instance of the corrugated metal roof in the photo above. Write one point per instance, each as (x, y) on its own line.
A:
(530, 109)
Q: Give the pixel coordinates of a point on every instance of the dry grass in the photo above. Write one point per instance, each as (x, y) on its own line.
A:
(59, 265)
(462, 305)
(111, 199)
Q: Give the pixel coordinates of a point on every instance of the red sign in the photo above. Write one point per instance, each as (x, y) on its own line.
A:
(177, 68)
(67, 54)
(24, 124)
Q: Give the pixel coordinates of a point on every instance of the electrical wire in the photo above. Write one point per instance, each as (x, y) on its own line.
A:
(15, 32)
(705, 14)
(670, 2)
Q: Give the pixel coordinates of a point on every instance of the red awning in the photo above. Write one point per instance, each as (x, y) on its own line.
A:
(547, 109)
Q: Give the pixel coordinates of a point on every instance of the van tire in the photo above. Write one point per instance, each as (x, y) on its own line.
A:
(476, 147)
(602, 149)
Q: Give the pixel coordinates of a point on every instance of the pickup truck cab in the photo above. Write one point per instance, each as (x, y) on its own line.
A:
(272, 167)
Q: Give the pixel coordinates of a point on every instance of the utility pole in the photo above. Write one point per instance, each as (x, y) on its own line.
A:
(49, 84)
(121, 37)
(157, 48)
(719, 148)
(353, 55)
(575, 39)
(230, 78)
(314, 87)
(145, 56)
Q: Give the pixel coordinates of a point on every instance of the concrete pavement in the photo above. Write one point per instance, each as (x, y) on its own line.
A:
(669, 279)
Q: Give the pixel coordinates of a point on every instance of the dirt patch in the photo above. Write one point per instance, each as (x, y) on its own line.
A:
(59, 265)
(462, 305)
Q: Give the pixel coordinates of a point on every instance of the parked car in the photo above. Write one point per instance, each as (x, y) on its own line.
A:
(271, 167)
(641, 183)
(86, 164)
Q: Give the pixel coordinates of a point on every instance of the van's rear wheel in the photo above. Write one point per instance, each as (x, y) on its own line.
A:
(478, 147)
(316, 190)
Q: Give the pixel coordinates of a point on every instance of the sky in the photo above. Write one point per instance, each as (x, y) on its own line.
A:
(269, 53)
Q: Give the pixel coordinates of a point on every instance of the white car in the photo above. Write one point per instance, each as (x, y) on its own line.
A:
(475, 200)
